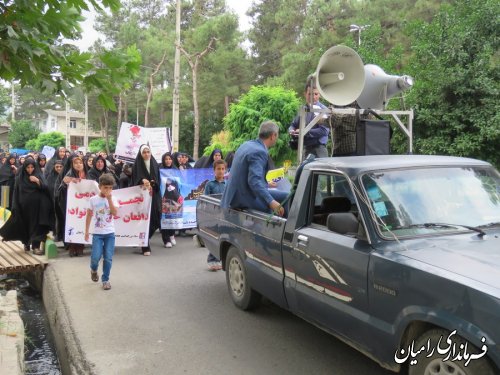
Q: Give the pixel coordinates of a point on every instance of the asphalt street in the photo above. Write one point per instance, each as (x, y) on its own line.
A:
(167, 314)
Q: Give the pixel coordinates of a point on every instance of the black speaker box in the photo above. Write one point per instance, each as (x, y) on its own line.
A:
(373, 137)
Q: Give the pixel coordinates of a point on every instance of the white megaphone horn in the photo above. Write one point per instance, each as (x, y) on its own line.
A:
(340, 76)
(379, 87)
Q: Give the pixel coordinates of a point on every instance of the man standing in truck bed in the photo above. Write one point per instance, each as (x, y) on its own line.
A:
(247, 185)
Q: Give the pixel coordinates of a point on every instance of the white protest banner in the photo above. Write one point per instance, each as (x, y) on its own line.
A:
(131, 137)
(78, 197)
(48, 152)
(131, 221)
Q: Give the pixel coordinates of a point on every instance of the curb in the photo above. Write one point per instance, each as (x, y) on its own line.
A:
(11, 336)
(69, 349)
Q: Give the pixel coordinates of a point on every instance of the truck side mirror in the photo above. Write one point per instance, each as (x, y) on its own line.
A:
(343, 223)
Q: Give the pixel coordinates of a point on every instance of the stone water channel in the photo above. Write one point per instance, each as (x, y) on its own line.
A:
(40, 354)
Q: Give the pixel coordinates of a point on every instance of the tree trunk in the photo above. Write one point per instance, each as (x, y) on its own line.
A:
(196, 111)
(125, 109)
(106, 130)
(102, 126)
(226, 105)
(148, 101)
(193, 63)
(151, 87)
(119, 114)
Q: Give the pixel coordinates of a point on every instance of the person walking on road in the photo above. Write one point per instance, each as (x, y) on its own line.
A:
(146, 173)
(32, 213)
(76, 171)
(167, 235)
(103, 207)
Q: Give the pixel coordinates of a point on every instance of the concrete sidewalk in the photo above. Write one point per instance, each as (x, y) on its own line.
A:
(129, 329)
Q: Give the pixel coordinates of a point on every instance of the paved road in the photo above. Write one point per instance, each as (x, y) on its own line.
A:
(166, 314)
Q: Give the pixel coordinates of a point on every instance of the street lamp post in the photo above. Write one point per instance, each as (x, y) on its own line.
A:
(354, 28)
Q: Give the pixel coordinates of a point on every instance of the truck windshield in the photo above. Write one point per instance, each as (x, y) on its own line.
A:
(406, 201)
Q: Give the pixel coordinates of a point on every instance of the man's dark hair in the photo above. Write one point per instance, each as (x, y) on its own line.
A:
(106, 179)
(310, 82)
(219, 162)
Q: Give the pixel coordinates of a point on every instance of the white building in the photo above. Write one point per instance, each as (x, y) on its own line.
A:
(4, 136)
(74, 130)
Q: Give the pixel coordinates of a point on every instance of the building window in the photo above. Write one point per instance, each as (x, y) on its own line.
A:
(76, 141)
(72, 124)
(53, 123)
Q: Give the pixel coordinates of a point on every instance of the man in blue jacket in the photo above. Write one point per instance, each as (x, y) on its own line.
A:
(247, 186)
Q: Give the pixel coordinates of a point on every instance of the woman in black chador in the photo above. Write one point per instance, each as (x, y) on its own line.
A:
(146, 173)
(74, 170)
(167, 235)
(99, 167)
(8, 173)
(32, 213)
(60, 154)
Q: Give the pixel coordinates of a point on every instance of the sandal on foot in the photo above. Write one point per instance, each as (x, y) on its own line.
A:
(106, 285)
(94, 276)
(146, 253)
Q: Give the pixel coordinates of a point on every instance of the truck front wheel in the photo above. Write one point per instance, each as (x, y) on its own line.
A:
(241, 293)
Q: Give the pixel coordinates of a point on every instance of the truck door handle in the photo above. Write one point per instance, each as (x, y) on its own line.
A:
(302, 240)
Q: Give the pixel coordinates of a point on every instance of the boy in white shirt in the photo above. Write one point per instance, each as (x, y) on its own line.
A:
(104, 206)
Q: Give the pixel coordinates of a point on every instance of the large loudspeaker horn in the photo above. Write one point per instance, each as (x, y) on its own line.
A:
(340, 75)
(380, 87)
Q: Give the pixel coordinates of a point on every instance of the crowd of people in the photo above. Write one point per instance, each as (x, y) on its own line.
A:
(38, 189)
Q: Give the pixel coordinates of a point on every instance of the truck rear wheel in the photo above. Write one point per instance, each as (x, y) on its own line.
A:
(240, 291)
(434, 364)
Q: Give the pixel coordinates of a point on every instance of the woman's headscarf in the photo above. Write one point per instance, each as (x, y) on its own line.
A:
(211, 158)
(41, 157)
(171, 189)
(50, 164)
(74, 172)
(25, 185)
(163, 165)
(68, 169)
(53, 177)
(6, 171)
(142, 170)
(152, 174)
(94, 172)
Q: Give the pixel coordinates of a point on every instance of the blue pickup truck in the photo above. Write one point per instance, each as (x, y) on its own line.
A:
(398, 256)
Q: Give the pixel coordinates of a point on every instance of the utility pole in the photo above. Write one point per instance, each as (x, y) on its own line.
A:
(358, 29)
(68, 145)
(177, 74)
(86, 136)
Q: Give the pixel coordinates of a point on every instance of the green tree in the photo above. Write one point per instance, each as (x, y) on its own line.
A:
(31, 102)
(32, 51)
(21, 132)
(98, 145)
(277, 27)
(52, 139)
(263, 103)
(456, 65)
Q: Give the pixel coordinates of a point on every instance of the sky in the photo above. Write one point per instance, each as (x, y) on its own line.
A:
(89, 35)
